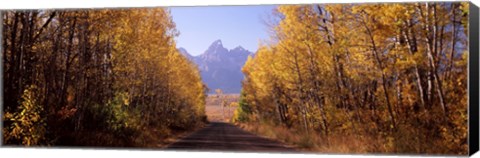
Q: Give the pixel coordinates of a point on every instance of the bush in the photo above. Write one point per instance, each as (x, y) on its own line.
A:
(26, 126)
(243, 112)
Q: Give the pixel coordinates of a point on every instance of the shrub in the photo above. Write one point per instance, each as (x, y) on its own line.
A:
(26, 124)
(243, 111)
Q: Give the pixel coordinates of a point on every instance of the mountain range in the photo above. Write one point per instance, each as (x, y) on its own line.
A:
(220, 68)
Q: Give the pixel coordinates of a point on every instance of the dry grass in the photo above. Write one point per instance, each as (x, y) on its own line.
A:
(315, 143)
(154, 138)
(174, 136)
(214, 110)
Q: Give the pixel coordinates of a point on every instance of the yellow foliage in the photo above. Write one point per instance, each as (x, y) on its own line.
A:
(26, 125)
(363, 70)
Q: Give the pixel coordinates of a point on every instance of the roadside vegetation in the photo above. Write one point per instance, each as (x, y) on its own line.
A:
(362, 78)
(111, 78)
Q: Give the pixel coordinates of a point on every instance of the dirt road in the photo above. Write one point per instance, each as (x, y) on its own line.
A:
(218, 136)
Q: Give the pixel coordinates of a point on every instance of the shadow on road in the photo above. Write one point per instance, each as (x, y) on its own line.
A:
(221, 136)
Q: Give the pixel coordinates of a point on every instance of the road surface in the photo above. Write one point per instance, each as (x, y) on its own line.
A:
(218, 136)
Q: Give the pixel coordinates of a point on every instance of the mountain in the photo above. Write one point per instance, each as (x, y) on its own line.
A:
(184, 52)
(220, 67)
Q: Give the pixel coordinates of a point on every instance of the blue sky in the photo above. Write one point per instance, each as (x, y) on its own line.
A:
(234, 25)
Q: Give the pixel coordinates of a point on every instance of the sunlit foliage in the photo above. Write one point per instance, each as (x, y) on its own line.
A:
(392, 74)
(101, 77)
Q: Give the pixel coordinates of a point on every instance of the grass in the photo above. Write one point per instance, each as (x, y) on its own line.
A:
(214, 110)
(315, 142)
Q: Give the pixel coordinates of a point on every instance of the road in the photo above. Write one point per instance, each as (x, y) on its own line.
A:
(219, 136)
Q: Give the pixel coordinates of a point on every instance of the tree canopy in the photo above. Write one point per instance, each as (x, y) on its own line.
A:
(392, 73)
(69, 73)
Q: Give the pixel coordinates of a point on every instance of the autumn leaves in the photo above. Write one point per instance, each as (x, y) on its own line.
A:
(379, 71)
(389, 77)
(116, 73)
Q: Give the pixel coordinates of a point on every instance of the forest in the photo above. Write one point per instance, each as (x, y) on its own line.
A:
(332, 78)
(362, 78)
(109, 77)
